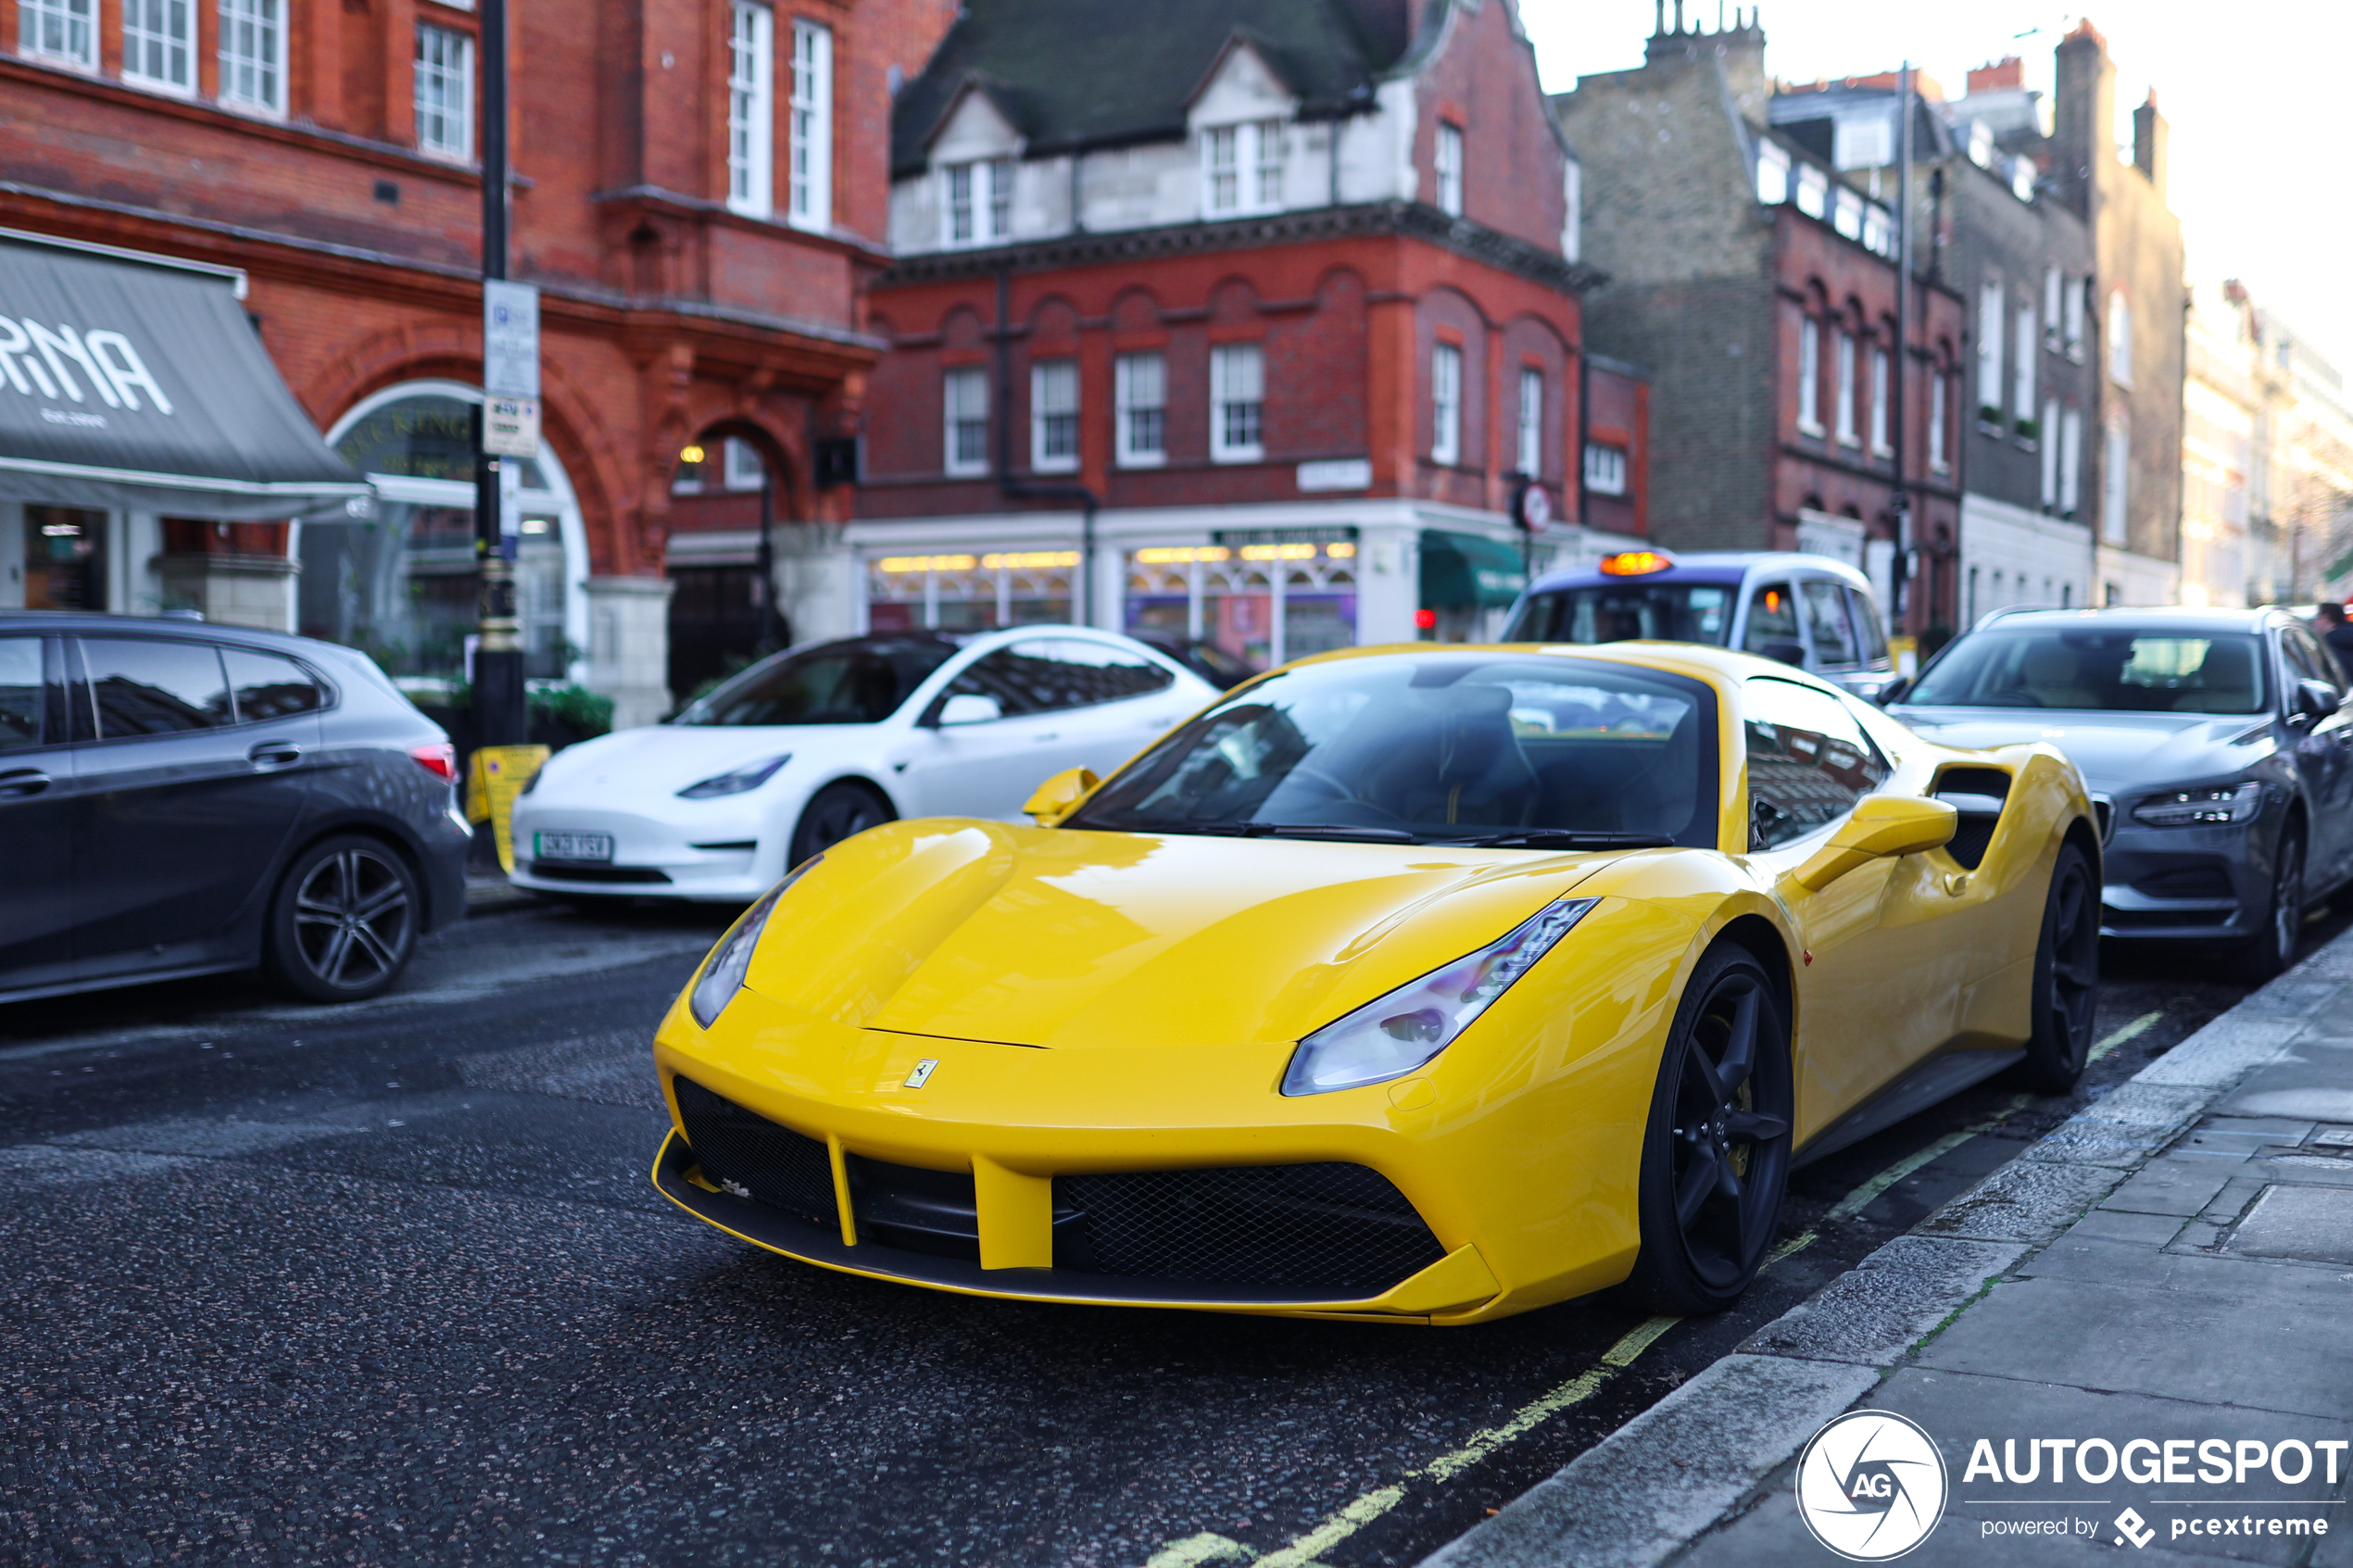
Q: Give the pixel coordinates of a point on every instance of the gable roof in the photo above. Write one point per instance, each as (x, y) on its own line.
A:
(1079, 74)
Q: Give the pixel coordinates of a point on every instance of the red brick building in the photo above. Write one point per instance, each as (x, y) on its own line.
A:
(1255, 320)
(700, 192)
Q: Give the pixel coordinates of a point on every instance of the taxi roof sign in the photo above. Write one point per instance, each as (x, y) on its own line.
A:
(1635, 563)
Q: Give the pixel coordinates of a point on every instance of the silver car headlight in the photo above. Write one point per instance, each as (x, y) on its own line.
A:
(1394, 1035)
(750, 776)
(723, 972)
(2200, 808)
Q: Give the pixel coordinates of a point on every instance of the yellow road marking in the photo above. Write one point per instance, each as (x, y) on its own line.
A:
(2139, 1027)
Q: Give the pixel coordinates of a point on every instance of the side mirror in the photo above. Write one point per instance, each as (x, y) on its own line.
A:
(1881, 826)
(1788, 653)
(1060, 795)
(2315, 700)
(1892, 693)
(969, 708)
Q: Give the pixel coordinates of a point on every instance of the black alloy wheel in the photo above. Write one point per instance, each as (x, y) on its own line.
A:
(2272, 947)
(1716, 1155)
(836, 813)
(2066, 978)
(344, 923)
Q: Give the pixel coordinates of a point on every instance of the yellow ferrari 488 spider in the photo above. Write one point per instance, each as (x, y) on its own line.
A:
(1412, 983)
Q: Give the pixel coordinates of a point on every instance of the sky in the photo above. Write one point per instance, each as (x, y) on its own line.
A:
(2252, 92)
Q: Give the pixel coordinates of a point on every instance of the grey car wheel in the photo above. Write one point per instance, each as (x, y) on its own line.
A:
(2272, 949)
(344, 923)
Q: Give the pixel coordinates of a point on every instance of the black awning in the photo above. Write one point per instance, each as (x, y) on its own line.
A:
(141, 385)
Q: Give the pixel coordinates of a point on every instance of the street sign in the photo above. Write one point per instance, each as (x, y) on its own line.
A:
(510, 427)
(509, 340)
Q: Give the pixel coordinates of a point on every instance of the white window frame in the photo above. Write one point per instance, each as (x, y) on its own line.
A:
(1991, 332)
(1809, 375)
(2075, 312)
(2116, 480)
(1445, 403)
(1053, 413)
(1605, 468)
(1529, 446)
(2070, 472)
(751, 108)
(139, 40)
(1939, 414)
(2119, 337)
(2050, 433)
(1843, 357)
(267, 72)
(446, 123)
(1446, 166)
(2022, 389)
(1773, 174)
(1140, 393)
(1242, 167)
(2053, 305)
(809, 199)
(61, 32)
(986, 202)
(1813, 191)
(963, 400)
(1881, 367)
(1237, 382)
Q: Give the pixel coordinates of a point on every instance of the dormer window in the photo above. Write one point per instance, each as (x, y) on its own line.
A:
(1241, 168)
(976, 202)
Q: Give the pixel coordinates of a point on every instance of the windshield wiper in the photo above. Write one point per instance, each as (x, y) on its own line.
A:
(1562, 838)
(1341, 830)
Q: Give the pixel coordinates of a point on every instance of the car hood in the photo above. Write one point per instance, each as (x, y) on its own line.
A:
(1035, 936)
(664, 759)
(2116, 752)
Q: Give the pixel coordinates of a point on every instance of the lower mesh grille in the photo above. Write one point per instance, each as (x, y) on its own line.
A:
(1321, 1231)
(738, 1148)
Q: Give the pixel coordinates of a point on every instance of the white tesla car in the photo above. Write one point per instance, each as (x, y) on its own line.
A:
(815, 744)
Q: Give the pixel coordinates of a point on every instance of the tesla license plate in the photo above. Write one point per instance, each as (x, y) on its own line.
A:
(573, 846)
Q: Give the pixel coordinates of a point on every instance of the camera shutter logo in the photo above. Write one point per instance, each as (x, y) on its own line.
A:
(1870, 1485)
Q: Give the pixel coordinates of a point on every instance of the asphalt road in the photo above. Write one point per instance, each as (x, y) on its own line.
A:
(387, 1284)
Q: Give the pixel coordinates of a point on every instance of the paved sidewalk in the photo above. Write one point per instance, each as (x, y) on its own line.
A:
(2169, 1274)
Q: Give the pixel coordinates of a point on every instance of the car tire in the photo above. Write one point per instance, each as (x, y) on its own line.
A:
(343, 920)
(836, 813)
(2066, 978)
(2272, 949)
(1716, 1147)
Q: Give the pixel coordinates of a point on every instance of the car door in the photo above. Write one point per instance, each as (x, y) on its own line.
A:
(2324, 753)
(1114, 700)
(1883, 978)
(181, 810)
(36, 813)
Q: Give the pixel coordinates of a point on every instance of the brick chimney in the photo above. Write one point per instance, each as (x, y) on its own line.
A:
(2083, 114)
(2007, 72)
(2149, 134)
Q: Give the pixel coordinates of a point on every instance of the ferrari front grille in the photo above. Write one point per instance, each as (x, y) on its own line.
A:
(743, 1152)
(1323, 1231)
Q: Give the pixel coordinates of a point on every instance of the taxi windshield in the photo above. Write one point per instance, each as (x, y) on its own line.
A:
(1541, 751)
(1613, 612)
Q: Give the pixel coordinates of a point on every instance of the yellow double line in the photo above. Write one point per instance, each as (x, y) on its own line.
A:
(1197, 1552)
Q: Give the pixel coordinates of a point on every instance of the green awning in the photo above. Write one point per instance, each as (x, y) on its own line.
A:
(1466, 569)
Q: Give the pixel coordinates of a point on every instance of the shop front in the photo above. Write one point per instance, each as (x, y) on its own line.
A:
(151, 458)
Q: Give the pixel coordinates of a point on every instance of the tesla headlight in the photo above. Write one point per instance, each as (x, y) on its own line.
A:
(1391, 1036)
(723, 972)
(2200, 808)
(751, 776)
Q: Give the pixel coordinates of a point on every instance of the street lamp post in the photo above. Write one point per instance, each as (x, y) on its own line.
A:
(498, 713)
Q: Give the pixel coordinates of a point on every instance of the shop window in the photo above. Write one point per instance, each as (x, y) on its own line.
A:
(966, 593)
(1141, 391)
(1259, 603)
(444, 92)
(65, 565)
(751, 109)
(252, 55)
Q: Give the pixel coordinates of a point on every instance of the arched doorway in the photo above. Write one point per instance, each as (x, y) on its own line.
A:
(400, 585)
(722, 615)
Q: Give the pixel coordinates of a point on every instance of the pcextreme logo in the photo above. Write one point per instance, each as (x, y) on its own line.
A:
(1870, 1485)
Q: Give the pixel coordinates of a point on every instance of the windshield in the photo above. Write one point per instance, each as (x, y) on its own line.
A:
(859, 681)
(1435, 747)
(1612, 612)
(2105, 668)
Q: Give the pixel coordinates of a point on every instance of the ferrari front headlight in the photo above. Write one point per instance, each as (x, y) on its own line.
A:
(723, 972)
(1394, 1035)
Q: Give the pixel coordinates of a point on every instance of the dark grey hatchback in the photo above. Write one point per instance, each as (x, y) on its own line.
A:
(178, 798)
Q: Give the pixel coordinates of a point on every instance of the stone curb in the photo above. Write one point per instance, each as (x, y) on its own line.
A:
(1659, 1482)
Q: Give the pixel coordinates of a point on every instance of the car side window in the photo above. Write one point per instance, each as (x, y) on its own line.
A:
(269, 686)
(1772, 618)
(2309, 659)
(142, 687)
(1867, 625)
(1050, 674)
(24, 696)
(1808, 761)
(1828, 622)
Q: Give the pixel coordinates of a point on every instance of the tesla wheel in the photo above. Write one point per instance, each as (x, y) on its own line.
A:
(343, 922)
(2272, 949)
(1715, 1152)
(2066, 978)
(833, 813)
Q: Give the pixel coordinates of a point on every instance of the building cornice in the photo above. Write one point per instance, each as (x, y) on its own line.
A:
(1413, 221)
